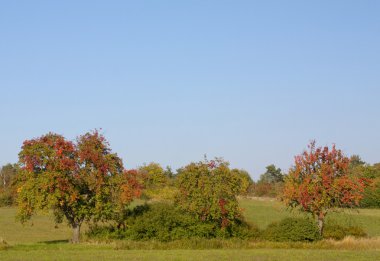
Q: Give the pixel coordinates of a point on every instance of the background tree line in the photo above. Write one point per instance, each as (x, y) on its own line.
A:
(159, 182)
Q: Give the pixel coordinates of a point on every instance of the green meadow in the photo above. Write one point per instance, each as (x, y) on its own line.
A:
(263, 212)
(41, 239)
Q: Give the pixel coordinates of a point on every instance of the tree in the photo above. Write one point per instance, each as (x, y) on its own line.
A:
(245, 180)
(320, 181)
(127, 187)
(78, 181)
(356, 161)
(155, 175)
(208, 189)
(270, 183)
(371, 195)
(169, 172)
(158, 184)
(272, 175)
(7, 174)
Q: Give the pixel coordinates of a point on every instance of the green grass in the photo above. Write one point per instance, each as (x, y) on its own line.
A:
(369, 219)
(264, 212)
(42, 241)
(42, 228)
(93, 252)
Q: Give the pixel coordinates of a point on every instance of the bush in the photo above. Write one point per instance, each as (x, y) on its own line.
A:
(6, 199)
(265, 189)
(101, 232)
(334, 231)
(160, 194)
(3, 244)
(292, 229)
(165, 222)
(161, 222)
(371, 196)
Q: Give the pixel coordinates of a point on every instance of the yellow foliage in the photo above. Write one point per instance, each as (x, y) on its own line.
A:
(19, 189)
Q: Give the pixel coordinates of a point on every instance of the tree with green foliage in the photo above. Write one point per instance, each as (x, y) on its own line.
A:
(155, 175)
(371, 195)
(272, 175)
(270, 183)
(158, 183)
(8, 174)
(169, 172)
(245, 180)
(360, 169)
(77, 181)
(356, 161)
(208, 189)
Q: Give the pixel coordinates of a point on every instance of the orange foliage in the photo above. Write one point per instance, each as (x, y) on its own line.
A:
(320, 181)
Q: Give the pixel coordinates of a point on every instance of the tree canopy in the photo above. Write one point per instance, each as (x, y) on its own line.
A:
(208, 189)
(7, 175)
(272, 175)
(155, 176)
(245, 180)
(79, 181)
(320, 181)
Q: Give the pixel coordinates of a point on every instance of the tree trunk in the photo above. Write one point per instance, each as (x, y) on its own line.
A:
(76, 233)
(320, 225)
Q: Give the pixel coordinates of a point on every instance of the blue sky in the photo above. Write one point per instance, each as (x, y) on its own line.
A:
(170, 81)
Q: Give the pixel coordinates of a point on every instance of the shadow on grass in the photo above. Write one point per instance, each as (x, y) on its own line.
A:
(54, 242)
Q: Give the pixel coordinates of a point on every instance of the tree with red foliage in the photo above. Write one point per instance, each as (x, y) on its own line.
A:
(79, 181)
(320, 182)
(127, 187)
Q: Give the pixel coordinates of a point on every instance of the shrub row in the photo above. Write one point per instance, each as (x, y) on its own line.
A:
(335, 231)
(292, 229)
(306, 230)
(164, 222)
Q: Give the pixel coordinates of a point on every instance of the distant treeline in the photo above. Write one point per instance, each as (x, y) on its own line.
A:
(159, 182)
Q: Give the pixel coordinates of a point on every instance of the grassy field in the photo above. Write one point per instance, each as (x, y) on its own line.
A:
(263, 212)
(83, 252)
(41, 240)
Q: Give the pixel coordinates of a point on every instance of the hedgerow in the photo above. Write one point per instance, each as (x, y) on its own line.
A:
(165, 222)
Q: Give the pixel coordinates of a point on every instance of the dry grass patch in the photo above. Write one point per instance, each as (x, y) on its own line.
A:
(352, 243)
(3, 244)
(348, 243)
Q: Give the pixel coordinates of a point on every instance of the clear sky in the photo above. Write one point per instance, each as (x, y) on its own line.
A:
(170, 81)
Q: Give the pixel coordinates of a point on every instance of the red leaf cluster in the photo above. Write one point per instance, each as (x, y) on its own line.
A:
(320, 181)
(74, 177)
